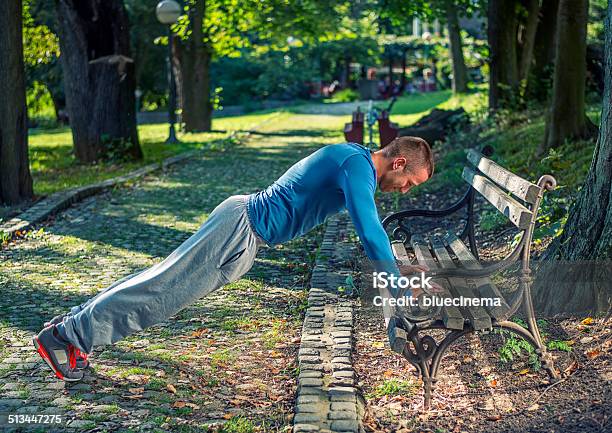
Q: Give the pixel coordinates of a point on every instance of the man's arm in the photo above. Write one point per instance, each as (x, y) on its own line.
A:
(358, 184)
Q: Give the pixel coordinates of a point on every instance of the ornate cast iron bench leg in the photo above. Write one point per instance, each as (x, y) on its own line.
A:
(425, 354)
(543, 355)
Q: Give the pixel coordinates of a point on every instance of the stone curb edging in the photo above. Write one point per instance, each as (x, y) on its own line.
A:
(327, 399)
(63, 199)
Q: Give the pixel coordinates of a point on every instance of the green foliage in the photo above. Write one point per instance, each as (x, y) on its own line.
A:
(237, 424)
(595, 26)
(492, 220)
(40, 44)
(393, 387)
(552, 217)
(563, 346)
(514, 347)
(39, 102)
(345, 95)
(4, 237)
(230, 26)
(115, 150)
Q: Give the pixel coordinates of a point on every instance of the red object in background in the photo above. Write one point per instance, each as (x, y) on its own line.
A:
(353, 132)
(387, 130)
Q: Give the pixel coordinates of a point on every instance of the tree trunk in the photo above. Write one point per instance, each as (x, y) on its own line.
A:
(193, 56)
(533, 11)
(345, 82)
(403, 79)
(98, 79)
(583, 284)
(390, 89)
(15, 178)
(567, 118)
(503, 69)
(539, 79)
(456, 49)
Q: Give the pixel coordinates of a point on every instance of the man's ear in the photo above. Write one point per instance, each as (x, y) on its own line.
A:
(399, 162)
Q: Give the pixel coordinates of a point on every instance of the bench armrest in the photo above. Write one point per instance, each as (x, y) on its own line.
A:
(429, 213)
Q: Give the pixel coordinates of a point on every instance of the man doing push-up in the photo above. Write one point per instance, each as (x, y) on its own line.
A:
(223, 249)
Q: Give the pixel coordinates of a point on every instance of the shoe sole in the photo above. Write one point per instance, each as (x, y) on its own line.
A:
(45, 356)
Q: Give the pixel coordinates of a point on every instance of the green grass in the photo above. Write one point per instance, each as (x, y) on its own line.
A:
(54, 167)
(393, 387)
(238, 425)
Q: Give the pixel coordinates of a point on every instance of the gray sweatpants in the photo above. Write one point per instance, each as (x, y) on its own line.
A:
(220, 252)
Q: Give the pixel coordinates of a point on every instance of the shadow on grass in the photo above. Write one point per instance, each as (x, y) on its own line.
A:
(295, 133)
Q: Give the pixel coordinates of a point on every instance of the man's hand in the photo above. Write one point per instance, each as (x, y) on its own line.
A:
(435, 289)
(414, 269)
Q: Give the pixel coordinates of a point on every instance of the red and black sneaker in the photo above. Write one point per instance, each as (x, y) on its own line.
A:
(59, 355)
(81, 357)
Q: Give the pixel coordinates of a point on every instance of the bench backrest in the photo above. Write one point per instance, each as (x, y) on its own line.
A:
(516, 198)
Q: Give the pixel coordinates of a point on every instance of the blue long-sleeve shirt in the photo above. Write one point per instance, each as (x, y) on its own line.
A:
(332, 178)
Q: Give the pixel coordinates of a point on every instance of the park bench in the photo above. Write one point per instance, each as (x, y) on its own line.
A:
(353, 132)
(456, 267)
(387, 130)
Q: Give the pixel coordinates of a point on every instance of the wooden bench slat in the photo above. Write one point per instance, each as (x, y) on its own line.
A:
(478, 316)
(484, 286)
(518, 214)
(399, 251)
(518, 186)
(398, 338)
(451, 316)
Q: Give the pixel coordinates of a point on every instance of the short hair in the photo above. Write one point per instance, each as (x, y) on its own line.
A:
(416, 151)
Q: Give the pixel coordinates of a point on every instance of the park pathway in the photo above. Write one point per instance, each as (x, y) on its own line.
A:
(229, 358)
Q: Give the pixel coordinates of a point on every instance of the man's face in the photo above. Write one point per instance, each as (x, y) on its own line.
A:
(399, 180)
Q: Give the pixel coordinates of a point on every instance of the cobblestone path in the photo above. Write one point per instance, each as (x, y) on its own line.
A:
(228, 359)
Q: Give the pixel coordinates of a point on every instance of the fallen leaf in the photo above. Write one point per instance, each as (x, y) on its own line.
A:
(586, 340)
(378, 345)
(493, 383)
(494, 417)
(192, 405)
(533, 407)
(524, 371)
(592, 354)
(171, 388)
(228, 415)
(179, 404)
(199, 332)
(388, 374)
(572, 367)
(587, 321)
(136, 390)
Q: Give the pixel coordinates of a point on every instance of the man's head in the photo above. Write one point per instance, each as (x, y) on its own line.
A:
(403, 164)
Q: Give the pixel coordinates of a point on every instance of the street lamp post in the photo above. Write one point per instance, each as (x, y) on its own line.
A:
(167, 12)
(426, 36)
